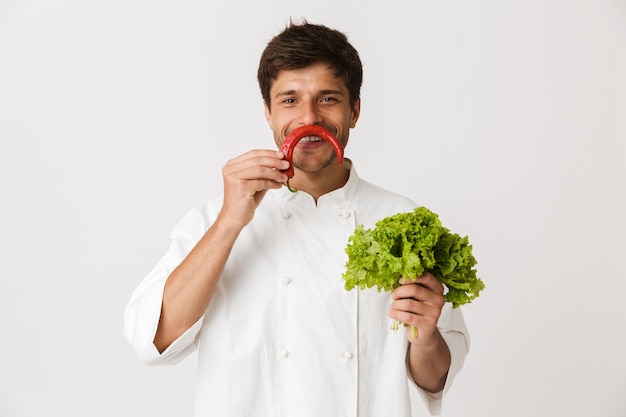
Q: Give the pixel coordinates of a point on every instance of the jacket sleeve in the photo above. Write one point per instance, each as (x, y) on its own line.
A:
(454, 332)
(141, 316)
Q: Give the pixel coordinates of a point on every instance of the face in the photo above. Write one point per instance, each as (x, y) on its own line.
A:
(311, 95)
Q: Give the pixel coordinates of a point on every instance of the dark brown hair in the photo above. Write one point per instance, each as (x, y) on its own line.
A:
(301, 45)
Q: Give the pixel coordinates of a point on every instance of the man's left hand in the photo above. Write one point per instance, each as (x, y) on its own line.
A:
(418, 304)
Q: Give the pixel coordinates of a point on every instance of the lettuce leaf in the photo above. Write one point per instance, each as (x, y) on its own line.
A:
(408, 245)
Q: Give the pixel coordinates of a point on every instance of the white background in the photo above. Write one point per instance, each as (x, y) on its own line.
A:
(508, 118)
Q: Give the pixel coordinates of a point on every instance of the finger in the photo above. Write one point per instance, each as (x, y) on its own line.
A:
(255, 167)
(413, 290)
(425, 321)
(271, 159)
(427, 280)
(257, 153)
(417, 296)
(410, 306)
(411, 311)
(419, 293)
(258, 173)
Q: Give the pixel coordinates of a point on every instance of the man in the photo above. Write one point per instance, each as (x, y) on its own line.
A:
(253, 279)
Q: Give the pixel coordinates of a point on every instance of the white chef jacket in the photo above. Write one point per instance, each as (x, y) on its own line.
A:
(281, 336)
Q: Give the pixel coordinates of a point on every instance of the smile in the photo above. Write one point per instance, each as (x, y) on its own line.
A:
(310, 139)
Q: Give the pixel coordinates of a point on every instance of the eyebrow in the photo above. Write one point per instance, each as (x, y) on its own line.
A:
(295, 92)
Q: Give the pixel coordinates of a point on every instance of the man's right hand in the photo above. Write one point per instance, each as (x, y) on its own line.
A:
(190, 287)
(246, 180)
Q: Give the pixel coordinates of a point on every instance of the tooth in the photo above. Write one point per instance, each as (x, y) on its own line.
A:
(310, 139)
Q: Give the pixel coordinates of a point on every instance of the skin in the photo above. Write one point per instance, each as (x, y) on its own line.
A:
(418, 303)
(312, 95)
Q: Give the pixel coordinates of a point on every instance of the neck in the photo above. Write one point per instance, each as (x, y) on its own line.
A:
(323, 182)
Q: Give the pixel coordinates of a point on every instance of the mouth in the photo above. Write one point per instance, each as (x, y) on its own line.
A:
(310, 139)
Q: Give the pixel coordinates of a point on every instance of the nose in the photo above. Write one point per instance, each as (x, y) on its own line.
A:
(310, 114)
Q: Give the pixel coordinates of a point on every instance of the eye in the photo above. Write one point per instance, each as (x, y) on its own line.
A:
(289, 100)
(328, 99)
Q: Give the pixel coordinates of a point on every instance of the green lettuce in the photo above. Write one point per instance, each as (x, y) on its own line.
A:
(408, 245)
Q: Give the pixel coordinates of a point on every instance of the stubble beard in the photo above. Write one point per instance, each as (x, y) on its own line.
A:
(305, 166)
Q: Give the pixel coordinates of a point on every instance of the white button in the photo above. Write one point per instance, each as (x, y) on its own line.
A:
(284, 352)
(286, 281)
(347, 354)
(345, 214)
(286, 215)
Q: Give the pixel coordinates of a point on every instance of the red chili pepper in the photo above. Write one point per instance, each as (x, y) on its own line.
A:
(297, 134)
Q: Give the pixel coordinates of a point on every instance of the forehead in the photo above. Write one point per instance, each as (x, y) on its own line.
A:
(316, 76)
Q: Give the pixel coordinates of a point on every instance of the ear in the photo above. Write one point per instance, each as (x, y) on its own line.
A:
(356, 111)
(268, 115)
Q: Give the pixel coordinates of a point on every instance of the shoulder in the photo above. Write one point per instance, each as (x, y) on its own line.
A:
(375, 194)
(370, 191)
(373, 203)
